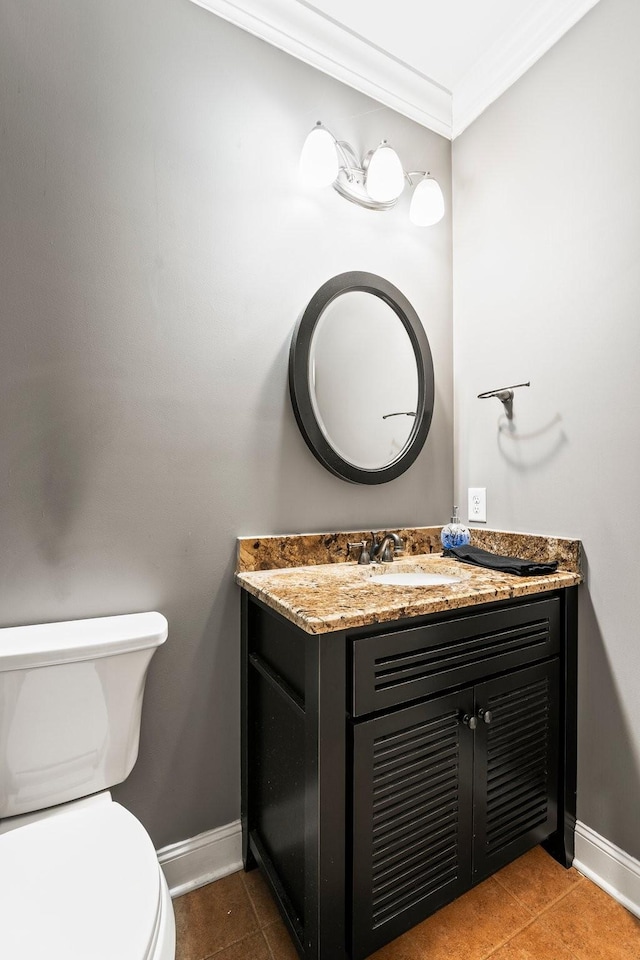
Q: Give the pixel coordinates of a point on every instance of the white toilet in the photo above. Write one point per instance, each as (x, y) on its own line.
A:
(79, 876)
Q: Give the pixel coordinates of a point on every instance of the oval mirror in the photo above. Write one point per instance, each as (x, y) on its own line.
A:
(361, 378)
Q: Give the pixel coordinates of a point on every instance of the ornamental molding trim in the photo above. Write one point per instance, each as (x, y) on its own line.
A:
(310, 35)
(511, 55)
(322, 42)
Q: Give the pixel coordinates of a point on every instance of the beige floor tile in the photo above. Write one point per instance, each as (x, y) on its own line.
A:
(578, 921)
(260, 896)
(593, 926)
(251, 948)
(533, 943)
(212, 918)
(280, 942)
(405, 947)
(536, 880)
(468, 929)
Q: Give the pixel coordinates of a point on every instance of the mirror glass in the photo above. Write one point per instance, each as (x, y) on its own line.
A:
(363, 380)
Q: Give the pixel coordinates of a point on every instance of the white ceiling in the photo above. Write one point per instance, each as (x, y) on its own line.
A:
(440, 62)
(442, 40)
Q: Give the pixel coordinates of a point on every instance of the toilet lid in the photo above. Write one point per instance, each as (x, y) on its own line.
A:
(82, 885)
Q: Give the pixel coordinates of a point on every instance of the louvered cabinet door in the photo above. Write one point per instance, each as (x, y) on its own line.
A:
(516, 765)
(412, 812)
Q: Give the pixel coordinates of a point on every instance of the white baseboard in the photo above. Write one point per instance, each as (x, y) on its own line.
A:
(608, 866)
(209, 856)
(217, 853)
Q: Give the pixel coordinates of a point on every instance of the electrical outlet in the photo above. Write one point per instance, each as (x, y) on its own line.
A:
(477, 504)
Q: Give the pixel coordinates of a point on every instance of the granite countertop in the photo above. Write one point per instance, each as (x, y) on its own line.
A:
(336, 594)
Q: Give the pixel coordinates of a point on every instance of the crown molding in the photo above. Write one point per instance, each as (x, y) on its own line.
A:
(311, 36)
(511, 55)
(308, 34)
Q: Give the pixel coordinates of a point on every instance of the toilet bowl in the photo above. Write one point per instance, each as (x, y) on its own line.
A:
(79, 879)
(83, 884)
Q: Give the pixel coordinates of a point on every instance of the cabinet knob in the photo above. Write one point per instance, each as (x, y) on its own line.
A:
(485, 715)
(469, 721)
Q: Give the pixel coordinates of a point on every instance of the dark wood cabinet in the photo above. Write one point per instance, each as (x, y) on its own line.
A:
(515, 765)
(439, 804)
(412, 816)
(388, 769)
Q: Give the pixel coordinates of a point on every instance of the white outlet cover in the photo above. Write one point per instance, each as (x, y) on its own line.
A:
(477, 510)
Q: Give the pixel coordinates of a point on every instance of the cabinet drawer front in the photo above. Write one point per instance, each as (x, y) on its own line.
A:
(394, 668)
(411, 817)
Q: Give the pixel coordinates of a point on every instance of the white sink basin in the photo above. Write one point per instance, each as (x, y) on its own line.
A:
(414, 580)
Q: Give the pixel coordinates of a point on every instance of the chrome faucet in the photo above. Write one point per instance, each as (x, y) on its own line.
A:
(381, 552)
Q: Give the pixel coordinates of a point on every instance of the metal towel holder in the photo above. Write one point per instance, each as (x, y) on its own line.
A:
(505, 394)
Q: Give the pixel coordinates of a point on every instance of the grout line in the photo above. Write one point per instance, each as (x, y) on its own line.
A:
(538, 916)
(553, 903)
(268, 946)
(261, 926)
(244, 936)
(514, 933)
(250, 898)
(235, 943)
(266, 940)
(514, 897)
(547, 905)
(511, 936)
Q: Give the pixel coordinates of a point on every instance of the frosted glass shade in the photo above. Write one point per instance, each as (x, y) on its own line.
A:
(427, 204)
(385, 176)
(319, 160)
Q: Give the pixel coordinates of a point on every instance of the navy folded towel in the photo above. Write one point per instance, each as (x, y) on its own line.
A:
(494, 561)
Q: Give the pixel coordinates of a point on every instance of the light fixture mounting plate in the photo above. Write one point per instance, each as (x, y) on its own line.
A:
(350, 185)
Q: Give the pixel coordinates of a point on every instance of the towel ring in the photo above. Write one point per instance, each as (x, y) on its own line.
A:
(505, 394)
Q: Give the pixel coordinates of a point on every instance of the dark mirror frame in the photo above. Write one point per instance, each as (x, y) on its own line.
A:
(299, 387)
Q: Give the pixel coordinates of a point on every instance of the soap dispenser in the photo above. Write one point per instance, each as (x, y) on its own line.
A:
(454, 534)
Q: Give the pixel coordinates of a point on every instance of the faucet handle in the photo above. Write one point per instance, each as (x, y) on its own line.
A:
(364, 553)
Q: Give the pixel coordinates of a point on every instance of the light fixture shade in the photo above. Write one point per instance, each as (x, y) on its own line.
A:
(427, 203)
(385, 176)
(319, 159)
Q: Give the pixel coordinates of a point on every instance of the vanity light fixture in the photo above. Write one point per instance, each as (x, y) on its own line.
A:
(376, 182)
(319, 161)
(427, 202)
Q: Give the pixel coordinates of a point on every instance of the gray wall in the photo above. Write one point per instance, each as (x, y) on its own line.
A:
(155, 252)
(547, 288)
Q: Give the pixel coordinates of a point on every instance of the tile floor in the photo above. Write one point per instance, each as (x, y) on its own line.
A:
(531, 910)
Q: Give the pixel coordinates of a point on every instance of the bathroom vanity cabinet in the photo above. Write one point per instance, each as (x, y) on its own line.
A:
(388, 768)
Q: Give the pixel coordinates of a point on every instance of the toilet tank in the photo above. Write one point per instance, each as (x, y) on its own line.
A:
(70, 705)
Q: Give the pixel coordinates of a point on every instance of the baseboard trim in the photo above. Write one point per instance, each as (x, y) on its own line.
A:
(209, 856)
(191, 863)
(609, 867)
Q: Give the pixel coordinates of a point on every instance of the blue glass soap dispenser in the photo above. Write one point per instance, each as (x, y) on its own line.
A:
(454, 534)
